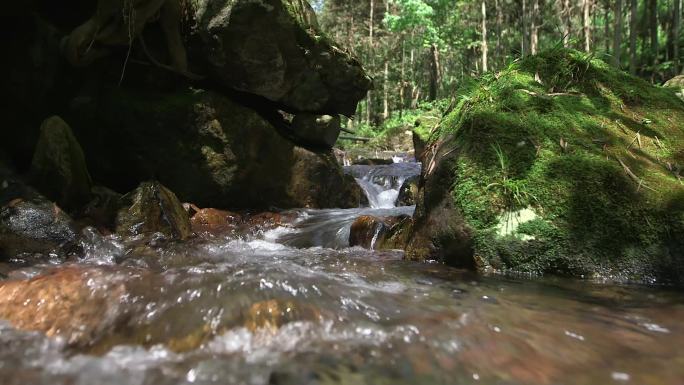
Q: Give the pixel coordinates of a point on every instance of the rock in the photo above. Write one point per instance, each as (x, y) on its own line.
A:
(224, 155)
(58, 168)
(272, 314)
(102, 209)
(365, 231)
(376, 233)
(318, 130)
(30, 224)
(275, 49)
(408, 192)
(499, 195)
(79, 304)
(214, 221)
(152, 208)
(675, 82)
(418, 146)
(440, 231)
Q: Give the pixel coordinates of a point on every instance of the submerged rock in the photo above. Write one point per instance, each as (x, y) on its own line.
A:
(377, 233)
(152, 208)
(272, 314)
(549, 183)
(275, 49)
(77, 303)
(58, 168)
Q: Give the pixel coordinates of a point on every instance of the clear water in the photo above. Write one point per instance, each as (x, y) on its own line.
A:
(296, 305)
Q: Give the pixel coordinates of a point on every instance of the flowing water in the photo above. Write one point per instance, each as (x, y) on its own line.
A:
(381, 184)
(296, 306)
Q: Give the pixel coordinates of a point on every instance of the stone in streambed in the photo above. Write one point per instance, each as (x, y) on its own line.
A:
(76, 303)
(377, 233)
(31, 224)
(408, 193)
(152, 208)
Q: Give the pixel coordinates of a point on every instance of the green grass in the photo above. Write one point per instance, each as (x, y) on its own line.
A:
(561, 133)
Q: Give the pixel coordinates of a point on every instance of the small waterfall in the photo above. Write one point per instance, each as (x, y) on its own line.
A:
(381, 183)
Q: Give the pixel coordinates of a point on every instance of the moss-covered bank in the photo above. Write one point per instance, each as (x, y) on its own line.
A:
(559, 164)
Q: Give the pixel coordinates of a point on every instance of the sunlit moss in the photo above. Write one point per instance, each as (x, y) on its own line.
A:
(591, 149)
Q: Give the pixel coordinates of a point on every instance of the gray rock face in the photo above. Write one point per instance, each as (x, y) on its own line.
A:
(275, 49)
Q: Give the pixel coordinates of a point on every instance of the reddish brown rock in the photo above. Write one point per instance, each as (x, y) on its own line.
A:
(77, 303)
(380, 233)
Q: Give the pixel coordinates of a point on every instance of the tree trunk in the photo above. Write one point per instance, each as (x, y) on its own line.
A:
(385, 111)
(523, 18)
(653, 15)
(606, 16)
(633, 32)
(369, 113)
(676, 27)
(402, 82)
(499, 31)
(434, 72)
(586, 11)
(567, 24)
(485, 48)
(617, 38)
(534, 28)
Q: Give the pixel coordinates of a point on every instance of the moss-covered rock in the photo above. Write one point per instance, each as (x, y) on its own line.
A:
(58, 169)
(559, 164)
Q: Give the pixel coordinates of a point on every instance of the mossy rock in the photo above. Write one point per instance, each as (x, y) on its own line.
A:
(59, 169)
(593, 153)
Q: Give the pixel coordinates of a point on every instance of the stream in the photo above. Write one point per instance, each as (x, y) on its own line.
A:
(296, 305)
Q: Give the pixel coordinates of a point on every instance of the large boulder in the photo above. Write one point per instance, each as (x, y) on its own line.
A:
(58, 169)
(577, 174)
(275, 49)
(152, 208)
(209, 150)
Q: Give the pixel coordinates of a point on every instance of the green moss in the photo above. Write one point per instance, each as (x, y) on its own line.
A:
(561, 133)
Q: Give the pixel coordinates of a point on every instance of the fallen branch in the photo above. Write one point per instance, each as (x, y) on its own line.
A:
(356, 138)
(640, 182)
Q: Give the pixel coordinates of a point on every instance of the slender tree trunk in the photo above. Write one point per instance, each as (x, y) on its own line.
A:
(499, 31)
(434, 72)
(485, 48)
(523, 47)
(653, 15)
(402, 83)
(633, 32)
(606, 16)
(385, 112)
(617, 38)
(567, 24)
(369, 113)
(534, 28)
(586, 11)
(676, 27)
